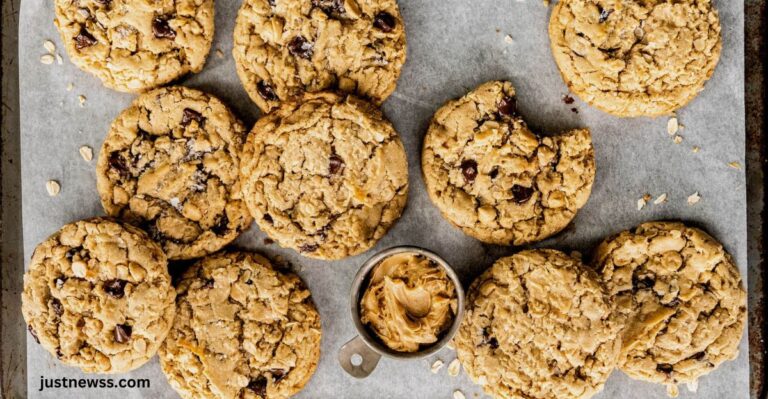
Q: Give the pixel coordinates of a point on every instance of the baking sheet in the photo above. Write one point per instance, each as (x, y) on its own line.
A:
(453, 45)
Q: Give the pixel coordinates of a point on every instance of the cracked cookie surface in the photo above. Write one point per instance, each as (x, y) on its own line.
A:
(496, 180)
(635, 58)
(242, 330)
(681, 296)
(538, 324)
(98, 296)
(170, 166)
(326, 176)
(283, 48)
(136, 45)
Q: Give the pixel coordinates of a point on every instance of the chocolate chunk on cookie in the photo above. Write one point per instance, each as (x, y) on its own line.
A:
(170, 165)
(326, 176)
(242, 330)
(98, 296)
(495, 179)
(135, 46)
(681, 297)
(635, 58)
(286, 48)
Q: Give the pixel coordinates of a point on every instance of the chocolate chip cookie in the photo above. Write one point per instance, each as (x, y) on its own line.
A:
(242, 330)
(681, 296)
(538, 324)
(284, 48)
(170, 165)
(98, 296)
(635, 58)
(495, 179)
(327, 175)
(133, 46)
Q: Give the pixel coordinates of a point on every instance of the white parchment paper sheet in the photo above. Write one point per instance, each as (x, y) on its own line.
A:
(453, 45)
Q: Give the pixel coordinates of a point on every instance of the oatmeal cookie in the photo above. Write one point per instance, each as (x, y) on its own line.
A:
(136, 45)
(242, 330)
(496, 180)
(170, 165)
(635, 58)
(327, 175)
(538, 324)
(284, 48)
(681, 296)
(98, 296)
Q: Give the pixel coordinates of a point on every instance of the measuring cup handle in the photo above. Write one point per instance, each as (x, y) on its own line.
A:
(357, 346)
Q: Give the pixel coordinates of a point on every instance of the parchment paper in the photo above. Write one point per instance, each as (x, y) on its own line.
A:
(453, 45)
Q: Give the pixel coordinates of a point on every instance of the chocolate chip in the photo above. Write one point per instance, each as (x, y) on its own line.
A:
(191, 115)
(115, 288)
(249, 282)
(209, 284)
(271, 2)
(268, 241)
(384, 21)
(268, 218)
(266, 91)
(335, 164)
(162, 29)
(643, 283)
(58, 353)
(567, 99)
(59, 281)
(333, 8)
(521, 194)
(300, 47)
(84, 39)
(309, 247)
(80, 323)
(34, 334)
(469, 170)
(123, 333)
(507, 106)
(488, 339)
(665, 368)
(604, 14)
(222, 225)
(575, 110)
(278, 374)
(117, 162)
(259, 386)
(494, 172)
(58, 309)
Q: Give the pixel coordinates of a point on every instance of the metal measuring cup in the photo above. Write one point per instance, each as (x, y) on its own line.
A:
(365, 344)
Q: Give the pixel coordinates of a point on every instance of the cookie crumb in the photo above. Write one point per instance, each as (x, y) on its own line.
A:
(672, 391)
(436, 366)
(219, 53)
(735, 165)
(70, 86)
(647, 197)
(454, 368)
(53, 187)
(46, 59)
(49, 46)
(678, 139)
(672, 126)
(693, 386)
(641, 204)
(694, 198)
(508, 39)
(696, 149)
(660, 199)
(82, 99)
(450, 346)
(458, 395)
(567, 99)
(59, 60)
(86, 152)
